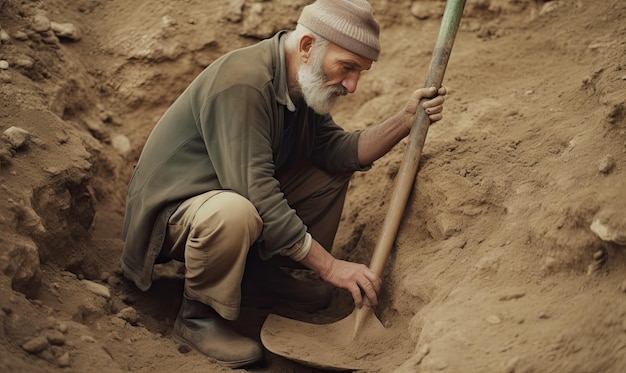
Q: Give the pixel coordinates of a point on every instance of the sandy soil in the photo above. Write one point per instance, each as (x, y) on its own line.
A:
(511, 253)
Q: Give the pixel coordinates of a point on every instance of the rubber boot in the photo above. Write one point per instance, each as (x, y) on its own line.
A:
(199, 326)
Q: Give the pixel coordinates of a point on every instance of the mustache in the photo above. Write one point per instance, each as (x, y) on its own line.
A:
(339, 90)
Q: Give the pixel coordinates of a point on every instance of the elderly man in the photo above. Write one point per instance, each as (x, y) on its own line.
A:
(247, 172)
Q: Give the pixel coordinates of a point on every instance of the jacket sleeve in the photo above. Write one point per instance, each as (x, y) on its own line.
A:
(336, 150)
(236, 125)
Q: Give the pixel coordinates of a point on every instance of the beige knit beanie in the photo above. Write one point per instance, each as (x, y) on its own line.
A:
(348, 23)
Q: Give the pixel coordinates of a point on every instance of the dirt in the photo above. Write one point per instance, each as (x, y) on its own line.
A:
(511, 252)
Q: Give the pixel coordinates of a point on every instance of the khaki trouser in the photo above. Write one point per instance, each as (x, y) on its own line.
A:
(212, 233)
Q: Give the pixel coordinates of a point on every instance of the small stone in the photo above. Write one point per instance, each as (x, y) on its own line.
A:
(21, 36)
(610, 224)
(493, 319)
(4, 36)
(550, 265)
(17, 137)
(599, 255)
(168, 21)
(129, 314)
(544, 316)
(36, 345)
(420, 11)
(87, 339)
(113, 280)
(62, 327)
(234, 11)
(121, 143)
(4, 65)
(41, 23)
(66, 31)
(55, 337)
(49, 37)
(25, 63)
(97, 289)
(549, 7)
(616, 113)
(606, 164)
(63, 361)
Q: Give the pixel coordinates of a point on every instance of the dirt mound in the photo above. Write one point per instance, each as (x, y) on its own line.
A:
(511, 254)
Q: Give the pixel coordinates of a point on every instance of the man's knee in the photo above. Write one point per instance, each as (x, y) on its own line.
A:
(228, 213)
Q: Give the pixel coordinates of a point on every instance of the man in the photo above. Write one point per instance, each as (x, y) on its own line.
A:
(247, 172)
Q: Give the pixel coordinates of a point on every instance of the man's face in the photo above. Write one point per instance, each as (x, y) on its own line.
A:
(329, 75)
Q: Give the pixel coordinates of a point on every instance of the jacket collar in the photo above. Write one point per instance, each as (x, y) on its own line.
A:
(280, 72)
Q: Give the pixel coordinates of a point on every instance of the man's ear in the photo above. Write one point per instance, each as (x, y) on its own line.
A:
(304, 47)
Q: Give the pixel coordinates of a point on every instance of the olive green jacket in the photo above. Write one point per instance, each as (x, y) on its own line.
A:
(225, 131)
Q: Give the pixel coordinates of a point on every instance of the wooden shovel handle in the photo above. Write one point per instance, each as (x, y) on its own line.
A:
(408, 169)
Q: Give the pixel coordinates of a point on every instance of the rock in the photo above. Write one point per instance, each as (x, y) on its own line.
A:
(255, 23)
(66, 31)
(41, 23)
(49, 37)
(168, 21)
(63, 361)
(21, 36)
(606, 164)
(121, 143)
(55, 337)
(87, 339)
(62, 327)
(4, 36)
(549, 7)
(24, 62)
(610, 224)
(129, 314)
(19, 261)
(234, 11)
(4, 65)
(27, 216)
(17, 137)
(617, 112)
(97, 289)
(493, 319)
(550, 263)
(36, 345)
(421, 10)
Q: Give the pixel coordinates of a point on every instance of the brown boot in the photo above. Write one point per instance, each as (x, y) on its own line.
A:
(199, 326)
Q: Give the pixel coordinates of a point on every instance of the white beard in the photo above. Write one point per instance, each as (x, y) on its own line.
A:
(311, 79)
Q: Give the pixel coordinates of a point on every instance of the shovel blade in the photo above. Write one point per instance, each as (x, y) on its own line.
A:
(347, 344)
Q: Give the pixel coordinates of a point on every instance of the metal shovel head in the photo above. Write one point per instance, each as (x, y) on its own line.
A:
(352, 343)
